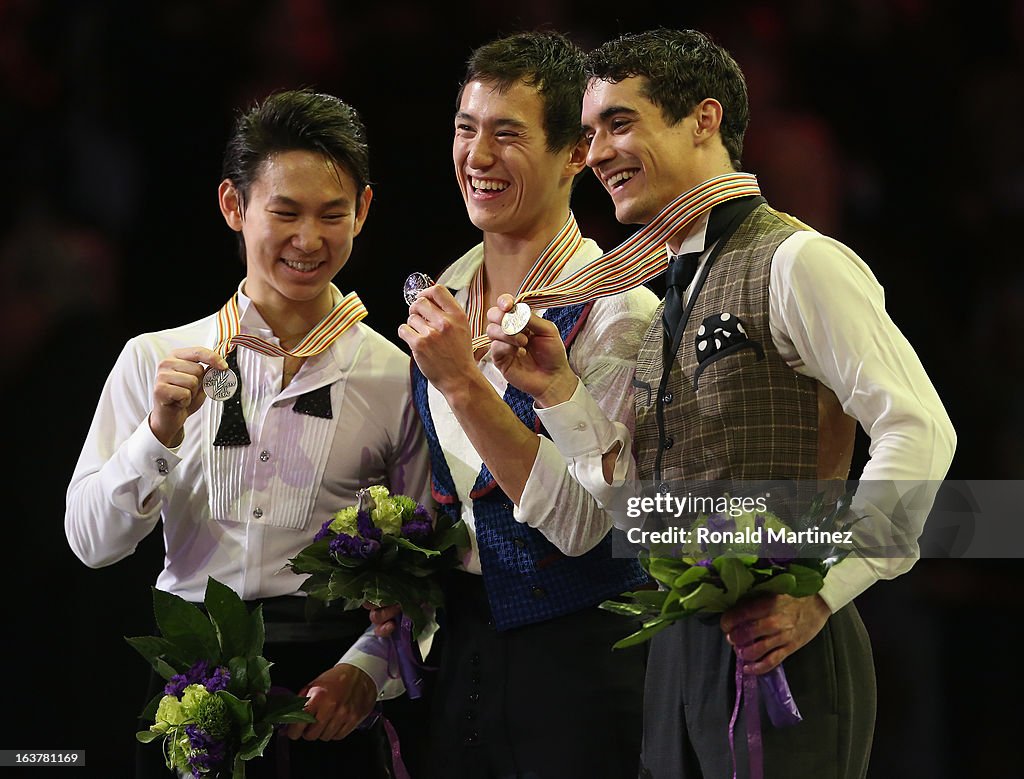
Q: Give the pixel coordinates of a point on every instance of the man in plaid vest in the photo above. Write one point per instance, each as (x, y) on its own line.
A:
(779, 346)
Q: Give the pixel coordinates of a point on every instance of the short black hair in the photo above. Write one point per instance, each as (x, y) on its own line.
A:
(545, 60)
(680, 68)
(296, 120)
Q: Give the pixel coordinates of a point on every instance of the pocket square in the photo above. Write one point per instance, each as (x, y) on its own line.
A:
(718, 332)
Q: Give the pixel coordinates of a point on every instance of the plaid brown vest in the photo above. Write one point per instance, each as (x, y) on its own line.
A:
(741, 413)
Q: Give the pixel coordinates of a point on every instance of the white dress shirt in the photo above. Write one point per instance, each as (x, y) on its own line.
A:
(828, 321)
(239, 513)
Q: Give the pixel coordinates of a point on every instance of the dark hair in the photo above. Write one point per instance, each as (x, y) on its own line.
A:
(547, 61)
(680, 68)
(297, 120)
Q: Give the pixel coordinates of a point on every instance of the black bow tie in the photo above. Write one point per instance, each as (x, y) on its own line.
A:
(232, 430)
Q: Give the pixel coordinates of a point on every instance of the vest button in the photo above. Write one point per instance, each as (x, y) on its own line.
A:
(668, 442)
(520, 542)
(472, 737)
(538, 592)
(257, 512)
(668, 397)
(663, 487)
(474, 697)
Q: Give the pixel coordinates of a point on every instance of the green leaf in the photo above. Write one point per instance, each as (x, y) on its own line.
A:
(152, 647)
(258, 632)
(645, 633)
(238, 768)
(146, 736)
(183, 624)
(781, 584)
(707, 597)
(690, 575)
(808, 581)
(259, 674)
(149, 713)
(241, 713)
(653, 598)
(255, 748)
(285, 708)
(407, 544)
(625, 609)
(230, 618)
(736, 577)
(665, 569)
(239, 669)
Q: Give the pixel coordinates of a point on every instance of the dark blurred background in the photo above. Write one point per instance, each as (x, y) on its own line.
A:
(893, 125)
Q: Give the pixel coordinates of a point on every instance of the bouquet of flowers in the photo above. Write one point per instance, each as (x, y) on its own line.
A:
(217, 709)
(384, 551)
(726, 558)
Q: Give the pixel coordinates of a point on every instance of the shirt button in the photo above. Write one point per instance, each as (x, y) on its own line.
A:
(581, 426)
(257, 512)
(264, 456)
(161, 465)
(668, 397)
(538, 592)
(668, 442)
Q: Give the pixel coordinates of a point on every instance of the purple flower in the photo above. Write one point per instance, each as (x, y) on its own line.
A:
(207, 752)
(344, 545)
(219, 680)
(324, 531)
(367, 529)
(417, 527)
(718, 523)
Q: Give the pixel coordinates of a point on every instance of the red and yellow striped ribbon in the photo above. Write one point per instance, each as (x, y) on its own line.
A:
(642, 256)
(349, 311)
(544, 272)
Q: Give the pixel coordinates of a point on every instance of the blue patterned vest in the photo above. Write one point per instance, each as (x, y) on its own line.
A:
(527, 578)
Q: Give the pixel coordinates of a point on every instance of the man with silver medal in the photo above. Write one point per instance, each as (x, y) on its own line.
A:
(521, 619)
(311, 406)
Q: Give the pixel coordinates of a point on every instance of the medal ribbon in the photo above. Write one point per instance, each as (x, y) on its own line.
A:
(349, 311)
(642, 256)
(544, 272)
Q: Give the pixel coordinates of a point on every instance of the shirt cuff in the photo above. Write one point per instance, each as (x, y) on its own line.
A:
(578, 426)
(141, 459)
(370, 655)
(546, 478)
(846, 580)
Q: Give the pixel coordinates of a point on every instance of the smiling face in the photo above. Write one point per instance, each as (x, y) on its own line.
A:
(641, 160)
(513, 185)
(297, 224)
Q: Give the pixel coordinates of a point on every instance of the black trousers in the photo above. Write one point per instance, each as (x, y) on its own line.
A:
(690, 693)
(296, 663)
(551, 699)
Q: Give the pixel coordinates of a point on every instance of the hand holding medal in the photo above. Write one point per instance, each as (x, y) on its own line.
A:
(179, 389)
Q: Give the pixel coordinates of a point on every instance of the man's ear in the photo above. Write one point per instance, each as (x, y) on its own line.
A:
(362, 209)
(230, 200)
(708, 119)
(577, 158)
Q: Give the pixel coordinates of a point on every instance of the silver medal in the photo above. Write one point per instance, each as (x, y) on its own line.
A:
(219, 385)
(515, 321)
(414, 285)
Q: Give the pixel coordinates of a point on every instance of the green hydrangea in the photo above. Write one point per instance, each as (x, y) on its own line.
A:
(345, 521)
(387, 516)
(168, 714)
(378, 492)
(192, 698)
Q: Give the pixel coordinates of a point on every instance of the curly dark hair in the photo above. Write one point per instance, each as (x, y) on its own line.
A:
(680, 68)
(547, 61)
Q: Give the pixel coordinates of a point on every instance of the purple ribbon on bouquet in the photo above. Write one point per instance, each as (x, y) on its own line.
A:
(407, 654)
(778, 702)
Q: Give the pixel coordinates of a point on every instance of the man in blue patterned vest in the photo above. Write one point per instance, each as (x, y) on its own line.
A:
(666, 111)
(527, 685)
